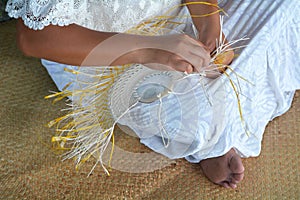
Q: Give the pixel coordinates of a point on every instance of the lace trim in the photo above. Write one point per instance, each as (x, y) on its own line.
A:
(37, 14)
(104, 15)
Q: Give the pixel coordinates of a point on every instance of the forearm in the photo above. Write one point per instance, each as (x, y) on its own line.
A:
(197, 9)
(206, 19)
(73, 45)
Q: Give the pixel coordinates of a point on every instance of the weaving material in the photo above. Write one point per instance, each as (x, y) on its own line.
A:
(28, 170)
(103, 96)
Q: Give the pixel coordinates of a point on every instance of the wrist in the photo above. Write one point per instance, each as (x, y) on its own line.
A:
(124, 49)
(146, 50)
(136, 49)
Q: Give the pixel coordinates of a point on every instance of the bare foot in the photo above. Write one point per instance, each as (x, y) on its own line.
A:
(226, 170)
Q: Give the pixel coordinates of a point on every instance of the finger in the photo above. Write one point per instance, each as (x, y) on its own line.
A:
(197, 54)
(159, 66)
(200, 61)
(189, 69)
(224, 58)
(183, 66)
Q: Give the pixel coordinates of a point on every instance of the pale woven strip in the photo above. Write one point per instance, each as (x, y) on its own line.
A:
(29, 170)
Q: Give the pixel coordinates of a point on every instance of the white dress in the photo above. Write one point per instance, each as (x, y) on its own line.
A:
(270, 62)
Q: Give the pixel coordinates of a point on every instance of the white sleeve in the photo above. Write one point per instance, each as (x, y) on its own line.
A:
(100, 15)
(37, 14)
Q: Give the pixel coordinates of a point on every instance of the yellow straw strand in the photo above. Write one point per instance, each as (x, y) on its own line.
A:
(88, 127)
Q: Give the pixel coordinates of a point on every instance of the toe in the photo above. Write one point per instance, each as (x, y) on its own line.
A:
(236, 165)
(232, 185)
(237, 177)
(225, 184)
(228, 184)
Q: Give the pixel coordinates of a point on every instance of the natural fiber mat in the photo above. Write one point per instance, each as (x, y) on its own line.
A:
(30, 170)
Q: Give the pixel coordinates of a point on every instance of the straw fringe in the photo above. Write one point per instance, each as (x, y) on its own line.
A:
(88, 128)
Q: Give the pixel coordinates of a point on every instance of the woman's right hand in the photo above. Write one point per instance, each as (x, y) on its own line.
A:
(177, 52)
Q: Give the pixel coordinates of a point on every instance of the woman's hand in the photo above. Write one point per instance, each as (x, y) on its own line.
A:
(209, 29)
(174, 52)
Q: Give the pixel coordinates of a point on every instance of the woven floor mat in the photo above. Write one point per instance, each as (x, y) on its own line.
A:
(30, 169)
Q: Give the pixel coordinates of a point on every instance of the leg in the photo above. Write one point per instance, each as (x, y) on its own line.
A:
(226, 170)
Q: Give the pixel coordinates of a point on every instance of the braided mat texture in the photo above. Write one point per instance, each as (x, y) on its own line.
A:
(29, 169)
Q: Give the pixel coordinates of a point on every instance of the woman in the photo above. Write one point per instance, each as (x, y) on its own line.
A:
(86, 24)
